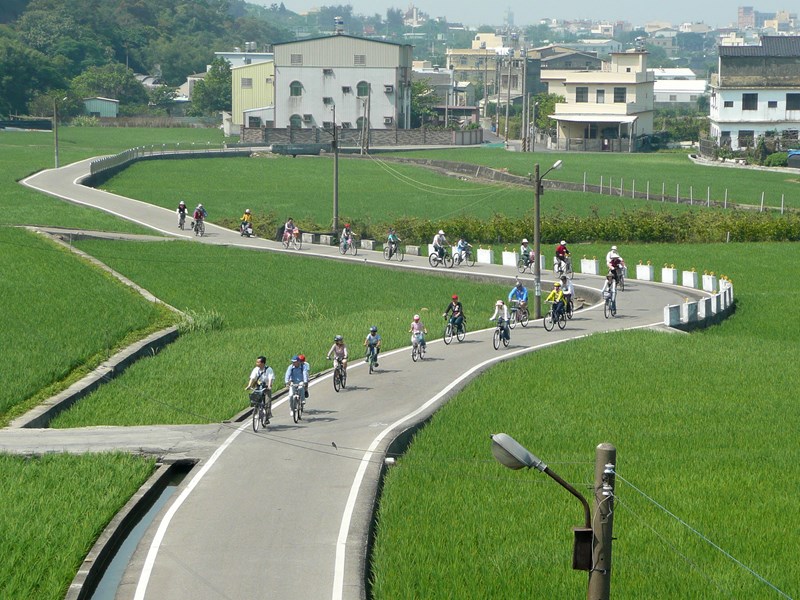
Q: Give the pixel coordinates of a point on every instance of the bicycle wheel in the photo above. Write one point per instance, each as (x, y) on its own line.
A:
(343, 248)
(548, 322)
(295, 408)
(470, 260)
(496, 339)
(523, 317)
(182, 223)
(462, 331)
(353, 248)
(286, 243)
(256, 417)
(521, 265)
(607, 308)
(569, 309)
(337, 379)
(621, 284)
(613, 309)
(448, 333)
(415, 352)
(344, 379)
(298, 242)
(506, 341)
(448, 261)
(399, 254)
(262, 415)
(562, 321)
(512, 320)
(386, 253)
(371, 365)
(433, 259)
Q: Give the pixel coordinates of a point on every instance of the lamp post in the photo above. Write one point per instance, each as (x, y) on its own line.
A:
(335, 176)
(537, 237)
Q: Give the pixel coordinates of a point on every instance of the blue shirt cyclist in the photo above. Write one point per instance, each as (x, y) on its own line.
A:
(519, 293)
(295, 373)
(373, 343)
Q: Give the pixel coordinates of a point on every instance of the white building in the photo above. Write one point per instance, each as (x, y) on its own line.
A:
(366, 82)
(679, 92)
(756, 91)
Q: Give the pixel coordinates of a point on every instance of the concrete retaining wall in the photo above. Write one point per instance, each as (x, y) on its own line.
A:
(703, 312)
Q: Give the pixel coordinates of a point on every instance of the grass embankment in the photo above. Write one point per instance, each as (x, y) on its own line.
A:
(271, 304)
(60, 318)
(25, 153)
(672, 169)
(54, 508)
(704, 424)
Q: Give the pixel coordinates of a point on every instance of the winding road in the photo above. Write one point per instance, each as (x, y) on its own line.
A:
(285, 513)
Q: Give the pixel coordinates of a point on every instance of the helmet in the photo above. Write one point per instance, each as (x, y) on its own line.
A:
(416, 317)
(499, 303)
(524, 240)
(455, 297)
(338, 338)
(557, 284)
(295, 358)
(373, 329)
(563, 242)
(301, 357)
(247, 211)
(564, 278)
(519, 284)
(347, 225)
(200, 205)
(181, 203)
(613, 247)
(441, 232)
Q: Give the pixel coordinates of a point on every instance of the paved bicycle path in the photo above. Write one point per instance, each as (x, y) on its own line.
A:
(285, 513)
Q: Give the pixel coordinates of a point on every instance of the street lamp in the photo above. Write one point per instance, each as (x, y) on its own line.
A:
(335, 175)
(537, 237)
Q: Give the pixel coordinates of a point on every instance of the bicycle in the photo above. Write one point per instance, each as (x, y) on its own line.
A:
(498, 335)
(417, 347)
(393, 250)
(339, 375)
(561, 268)
(610, 305)
(292, 239)
(435, 260)
(623, 272)
(297, 400)
(348, 245)
(519, 314)
(524, 263)
(450, 330)
(372, 358)
(550, 318)
(570, 308)
(261, 401)
(199, 227)
(467, 258)
(182, 222)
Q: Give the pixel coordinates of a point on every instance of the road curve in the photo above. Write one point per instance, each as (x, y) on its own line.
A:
(285, 513)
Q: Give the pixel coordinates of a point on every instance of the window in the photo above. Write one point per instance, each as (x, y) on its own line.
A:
(772, 104)
(247, 83)
(601, 96)
(693, 97)
(581, 94)
(792, 101)
(253, 122)
(296, 60)
(620, 94)
(308, 118)
(296, 121)
(728, 104)
(327, 100)
(346, 89)
(568, 64)
(746, 137)
(673, 97)
(388, 120)
(388, 88)
(328, 125)
(327, 71)
(749, 102)
(347, 125)
(360, 122)
(360, 60)
(362, 89)
(295, 89)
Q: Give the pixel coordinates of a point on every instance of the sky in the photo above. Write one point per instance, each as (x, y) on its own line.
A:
(526, 12)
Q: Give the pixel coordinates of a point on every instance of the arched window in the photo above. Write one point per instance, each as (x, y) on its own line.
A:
(296, 121)
(360, 123)
(362, 89)
(295, 88)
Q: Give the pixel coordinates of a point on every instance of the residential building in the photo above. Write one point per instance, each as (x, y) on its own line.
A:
(237, 58)
(604, 110)
(488, 40)
(253, 95)
(101, 107)
(564, 59)
(679, 93)
(365, 83)
(599, 47)
(756, 91)
(683, 73)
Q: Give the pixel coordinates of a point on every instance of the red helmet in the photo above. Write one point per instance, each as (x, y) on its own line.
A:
(455, 297)
(302, 357)
(347, 225)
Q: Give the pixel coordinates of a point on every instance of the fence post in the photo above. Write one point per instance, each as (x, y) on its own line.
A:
(584, 181)
(648, 189)
(601, 184)
(621, 186)
(708, 196)
(663, 191)
(633, 189)
(610, 179)
(691, 195)
(781, 203)
(726, 199)
(762, 202)
(678, 193)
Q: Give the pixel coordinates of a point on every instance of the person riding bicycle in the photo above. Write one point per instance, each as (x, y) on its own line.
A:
(525, 251)
(440, 243)
(347, 235)
(567, 289)
(610, 290)
(181, 212)
(288, 229)
(373, 344)
(393, 241)
(556, 296)
(339, 352)
(295, 373)
(418, 331)
(501, 317)
(562, 254)
(246, 221)
(457, 310)
(306, 370)
(615, 263)
(262, 376)
(199, 216)
(462, 249)
(519, 294)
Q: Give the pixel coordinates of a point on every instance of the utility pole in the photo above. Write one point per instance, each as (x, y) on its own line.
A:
(485, 83)
(508, 97)
(524, 120)
(335, 176)
(55, 128)
(537, 243)
(602, 529)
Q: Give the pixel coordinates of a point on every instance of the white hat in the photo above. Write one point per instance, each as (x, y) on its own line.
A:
(441, 232)
(416, 317)
(563, 242)
(613, 247)
(524, 240)
(499, 303)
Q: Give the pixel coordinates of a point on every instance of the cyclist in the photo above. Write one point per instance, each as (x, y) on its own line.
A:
(501, 317)
(457, 310)
(393, 242)
(373, 343)
(306, 370)
(462, 249)
(347, 235)
(288, 229)
(610, 290)
(562, 254)
(615, 263)
(262, 376)
(525, 251)
(418, 331)
(519, 293)
(556, 296)
(199, 215)
(181, 212)
(440, 243)
(247, 221)
(339, 351)
(294, 373)
(568, 289)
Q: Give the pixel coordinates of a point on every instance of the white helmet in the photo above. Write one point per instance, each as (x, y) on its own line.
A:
(416, 317)
(524, 240)
(441, 232)
(563, 242)
(499, 303)
(613, 247)
(247, 211)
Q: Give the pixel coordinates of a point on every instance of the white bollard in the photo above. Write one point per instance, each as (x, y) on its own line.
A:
(485, 256)
(689, 312)
(590, 266)
(510, 259)
(645, 272)
(669, 275)
(689, 279)
(672, 315)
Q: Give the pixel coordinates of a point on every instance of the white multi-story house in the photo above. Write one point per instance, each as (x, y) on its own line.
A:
(755, 91)
(366, 82)
(606, 109)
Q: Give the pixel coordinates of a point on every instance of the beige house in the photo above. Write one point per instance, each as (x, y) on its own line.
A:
(607, 109)
(253, 95)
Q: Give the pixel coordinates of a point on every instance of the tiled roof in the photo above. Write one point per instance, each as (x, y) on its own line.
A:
(772, 45)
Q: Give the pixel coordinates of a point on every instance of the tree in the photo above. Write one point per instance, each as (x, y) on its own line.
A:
(422, 101)
(23, 71)
(213, 94)
(162, 97)
(546, 106)
(110, 81)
